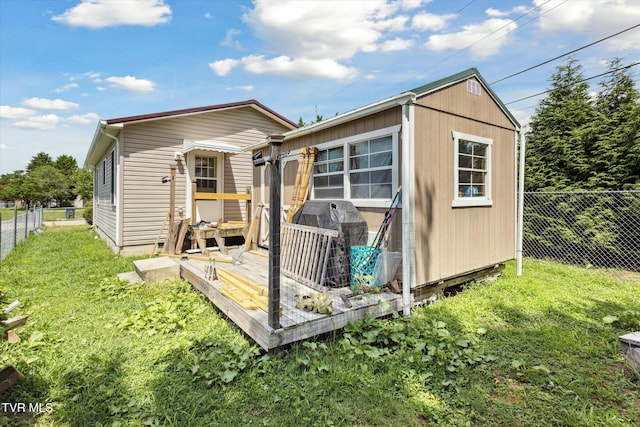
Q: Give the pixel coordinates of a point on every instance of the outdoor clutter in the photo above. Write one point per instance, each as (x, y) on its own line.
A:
(9, 375)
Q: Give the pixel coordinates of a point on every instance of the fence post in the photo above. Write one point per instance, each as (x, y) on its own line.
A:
(15, 226)
(26, 222)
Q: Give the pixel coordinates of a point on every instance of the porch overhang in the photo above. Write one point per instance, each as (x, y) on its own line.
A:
(209, 145)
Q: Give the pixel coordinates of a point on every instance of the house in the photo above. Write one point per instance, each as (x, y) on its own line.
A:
(450, 144)
(132, 156)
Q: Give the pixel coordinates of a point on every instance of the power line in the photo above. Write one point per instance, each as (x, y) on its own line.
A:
(580, 81)
(566, 54)
(465, 6)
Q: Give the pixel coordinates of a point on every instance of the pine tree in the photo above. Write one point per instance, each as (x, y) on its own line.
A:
(556, 154)
(615, 153)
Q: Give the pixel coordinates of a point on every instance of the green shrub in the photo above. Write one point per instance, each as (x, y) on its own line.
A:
(88, 215)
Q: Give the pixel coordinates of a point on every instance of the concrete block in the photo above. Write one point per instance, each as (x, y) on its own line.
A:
(130, 277)
(157, 269)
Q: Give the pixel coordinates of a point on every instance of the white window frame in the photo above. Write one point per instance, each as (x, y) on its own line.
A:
(392, 131)
(218, 163)
(471, 201)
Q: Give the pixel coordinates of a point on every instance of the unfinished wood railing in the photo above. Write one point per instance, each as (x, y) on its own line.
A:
(305, 253)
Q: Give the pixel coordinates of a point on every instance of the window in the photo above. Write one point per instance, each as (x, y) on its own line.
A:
(472, 170)
(206, 169)
(370, 168)
(104, 171)
(328, 174)
(113, 176)
(362, 168)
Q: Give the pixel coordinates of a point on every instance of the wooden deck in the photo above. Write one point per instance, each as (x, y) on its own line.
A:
(296, 324)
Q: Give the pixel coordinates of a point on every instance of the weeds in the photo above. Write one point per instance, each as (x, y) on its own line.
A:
(537, 350)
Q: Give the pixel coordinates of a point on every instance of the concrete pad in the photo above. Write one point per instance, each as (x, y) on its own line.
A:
(157, 269)
(130, 277)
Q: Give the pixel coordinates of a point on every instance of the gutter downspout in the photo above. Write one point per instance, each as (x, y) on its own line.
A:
(116, 196)
(408, 204)
(523, 143)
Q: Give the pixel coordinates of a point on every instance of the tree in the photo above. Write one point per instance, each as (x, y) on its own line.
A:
(40, 159)
(83, 183)
(45, 184)
(66, 164)
(615, 134)
(556, 154)
(12, 186)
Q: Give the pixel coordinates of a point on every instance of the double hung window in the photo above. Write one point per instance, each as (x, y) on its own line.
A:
(472, 170)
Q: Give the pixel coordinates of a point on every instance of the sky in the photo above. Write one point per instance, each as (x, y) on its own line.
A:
(66, 64)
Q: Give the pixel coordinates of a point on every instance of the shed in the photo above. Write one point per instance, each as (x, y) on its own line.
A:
(451, 145)
(131, 158)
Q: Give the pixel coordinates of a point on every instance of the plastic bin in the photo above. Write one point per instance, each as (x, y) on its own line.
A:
(386, 267)
(70, 213)
(363, 262)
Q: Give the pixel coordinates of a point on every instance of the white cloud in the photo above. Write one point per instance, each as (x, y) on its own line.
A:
(131, 83)
(3, 146)
(8, 112)
(49, 104)
(597, 17)
(315, 30)
(208, 15)
(88, 75)
(66, 88)
(108, 13)
(484, 39)
(412, 4)
(84, 119)
(247, 88)
(230, 40)
(396, 44)
(298, 67)
(312, 38)
(223, 66)
(43, 122)
(430, 22)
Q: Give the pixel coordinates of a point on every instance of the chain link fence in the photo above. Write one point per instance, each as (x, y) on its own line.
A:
(17, 228)
(586, 228)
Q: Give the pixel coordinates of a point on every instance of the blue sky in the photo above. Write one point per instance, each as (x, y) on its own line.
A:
(66, 64)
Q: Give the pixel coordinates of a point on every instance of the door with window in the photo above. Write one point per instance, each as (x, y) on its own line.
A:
(208, 173)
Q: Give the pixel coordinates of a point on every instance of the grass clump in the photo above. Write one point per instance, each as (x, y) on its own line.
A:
(536, 350)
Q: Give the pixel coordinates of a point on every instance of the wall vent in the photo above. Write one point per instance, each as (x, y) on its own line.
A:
(474, 87)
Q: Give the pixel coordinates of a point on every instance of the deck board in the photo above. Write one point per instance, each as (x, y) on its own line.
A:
(295, 324)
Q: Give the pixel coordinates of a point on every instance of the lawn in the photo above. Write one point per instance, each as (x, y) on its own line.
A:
(49, 214)
(536, 350)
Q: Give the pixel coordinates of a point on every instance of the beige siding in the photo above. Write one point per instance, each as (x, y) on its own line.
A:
(104, 207)
(149, 149)
(452, 241)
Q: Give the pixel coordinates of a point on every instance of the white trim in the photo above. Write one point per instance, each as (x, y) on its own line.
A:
(459, 202)
(209, 145)
(408, 205)
(344, 142)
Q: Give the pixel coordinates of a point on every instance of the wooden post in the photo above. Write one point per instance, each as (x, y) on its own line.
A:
(194, 206)
(171, 242)
(274, 232)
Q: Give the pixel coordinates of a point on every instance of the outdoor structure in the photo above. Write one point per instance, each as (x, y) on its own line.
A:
(132, 157)
(452, 147)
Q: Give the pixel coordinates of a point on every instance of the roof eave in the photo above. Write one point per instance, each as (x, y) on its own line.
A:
(373, 108)
(100, 142)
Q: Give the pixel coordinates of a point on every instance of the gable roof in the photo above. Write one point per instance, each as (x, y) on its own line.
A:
(457, 78)
(197, 110)
(107, 130)
(399, 99)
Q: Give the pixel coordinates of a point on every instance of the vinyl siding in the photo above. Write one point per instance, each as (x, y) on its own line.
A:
(104, 209)
(149, 149)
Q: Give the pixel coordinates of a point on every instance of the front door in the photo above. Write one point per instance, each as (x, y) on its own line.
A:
(207, 170)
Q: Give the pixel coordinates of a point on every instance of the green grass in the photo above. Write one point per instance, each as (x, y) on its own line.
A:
(47, 215)
(518, 351)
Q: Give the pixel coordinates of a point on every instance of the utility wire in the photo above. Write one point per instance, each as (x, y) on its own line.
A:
(465, 6)
(580, 81)
(566, 54)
